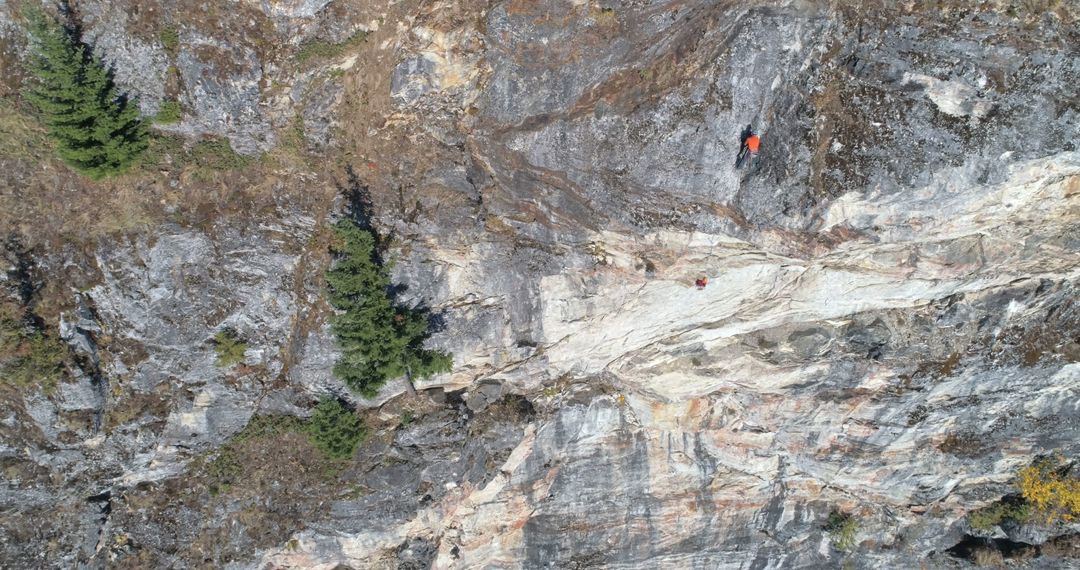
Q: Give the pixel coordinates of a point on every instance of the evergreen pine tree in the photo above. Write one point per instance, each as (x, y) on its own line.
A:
(379, 341)
(335, 429)
(97, 132)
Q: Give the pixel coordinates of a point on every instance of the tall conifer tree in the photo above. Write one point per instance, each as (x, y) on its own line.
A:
(379, 341)
(97, 132)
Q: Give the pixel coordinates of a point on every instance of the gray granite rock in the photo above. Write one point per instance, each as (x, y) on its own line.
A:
(889, 328)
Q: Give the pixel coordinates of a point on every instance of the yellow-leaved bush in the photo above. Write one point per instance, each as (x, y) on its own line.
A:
(1052, 494)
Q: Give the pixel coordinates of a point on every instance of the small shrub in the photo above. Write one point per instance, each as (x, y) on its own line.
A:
(335, 429)
(292, 138)
(213, 154)
(1047, 490)
(333, 432)
(227, 467)
(1052, 492)
(169, 113)
(224, 470)
(217, 154)
(842, 528)
(606, 17)
(229, 348)
(28, 356)
(1009, 508)
(40, 363)
(269, 426)
(984, 519)
(170, 38)
(321, 49)
(128, 407)
(163, 149)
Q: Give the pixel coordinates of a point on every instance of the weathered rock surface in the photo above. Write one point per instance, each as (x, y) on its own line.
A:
(890, 327)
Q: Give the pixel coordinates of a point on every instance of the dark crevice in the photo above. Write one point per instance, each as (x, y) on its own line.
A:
(970, 545)
(21, 272)
(973, 548)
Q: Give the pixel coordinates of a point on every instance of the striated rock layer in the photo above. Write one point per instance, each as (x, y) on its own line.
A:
(718, 428)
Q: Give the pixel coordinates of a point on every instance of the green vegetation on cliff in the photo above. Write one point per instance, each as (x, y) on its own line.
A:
(1052, 488)
(322, 49)
(1048, 491)
(229, 348)
(169, 113)
(28, 357)
(842, 529)
(379, 340)
(335, 429)
(1011, 508)
(97, 131)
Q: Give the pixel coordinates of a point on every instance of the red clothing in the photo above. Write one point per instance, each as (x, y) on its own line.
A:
(753, 142)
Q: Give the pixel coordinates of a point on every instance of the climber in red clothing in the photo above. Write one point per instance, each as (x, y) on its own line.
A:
(751, 142)
(701, 282)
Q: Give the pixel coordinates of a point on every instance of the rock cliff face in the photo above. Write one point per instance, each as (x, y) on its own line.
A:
(890, 328)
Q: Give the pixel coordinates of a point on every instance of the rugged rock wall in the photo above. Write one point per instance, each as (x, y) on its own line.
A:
(890, 328)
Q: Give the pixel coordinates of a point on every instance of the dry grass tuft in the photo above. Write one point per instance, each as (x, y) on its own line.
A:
(988, 558)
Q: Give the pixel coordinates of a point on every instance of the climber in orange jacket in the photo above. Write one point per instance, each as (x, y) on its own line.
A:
(751, 142)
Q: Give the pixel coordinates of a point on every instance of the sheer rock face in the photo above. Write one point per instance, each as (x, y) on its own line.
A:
(890, 327)
(903, 378)
(155, 295)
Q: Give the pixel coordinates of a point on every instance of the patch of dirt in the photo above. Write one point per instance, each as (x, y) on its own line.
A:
(512, 408)
(129, 408)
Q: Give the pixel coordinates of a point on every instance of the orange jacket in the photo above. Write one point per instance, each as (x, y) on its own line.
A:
(753, 142)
